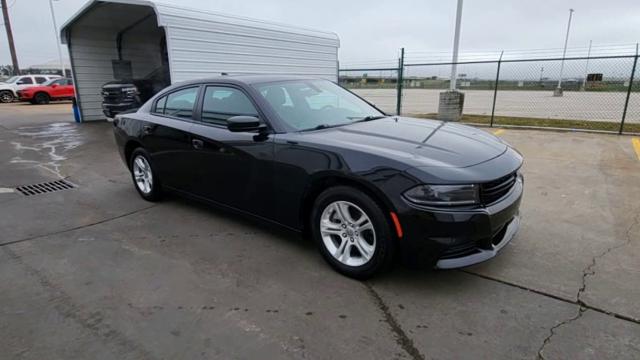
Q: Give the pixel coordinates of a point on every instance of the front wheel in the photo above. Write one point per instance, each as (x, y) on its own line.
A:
(41, 99)
(6, 97)
(352, 232)
(144, 176)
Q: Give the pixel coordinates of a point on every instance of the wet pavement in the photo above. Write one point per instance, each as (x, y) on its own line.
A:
(94, 272)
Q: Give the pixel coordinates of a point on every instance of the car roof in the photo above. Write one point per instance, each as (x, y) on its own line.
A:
(43, 75)
(248, 79)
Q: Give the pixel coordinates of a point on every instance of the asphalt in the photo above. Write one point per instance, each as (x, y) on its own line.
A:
(95, 272)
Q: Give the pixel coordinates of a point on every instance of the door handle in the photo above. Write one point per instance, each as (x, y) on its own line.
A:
(197, 144)
(147, 129)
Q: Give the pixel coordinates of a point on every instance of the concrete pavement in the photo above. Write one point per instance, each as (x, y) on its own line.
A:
(97, 273)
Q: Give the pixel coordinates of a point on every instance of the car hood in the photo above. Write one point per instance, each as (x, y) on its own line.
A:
(417, 142)
(118, 84)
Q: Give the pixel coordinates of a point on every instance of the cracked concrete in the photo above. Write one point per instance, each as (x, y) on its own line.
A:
(95, 272)
(552, 331)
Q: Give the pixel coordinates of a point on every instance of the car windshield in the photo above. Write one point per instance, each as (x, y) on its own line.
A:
(50, 82)
(12, 79)
(315, 104)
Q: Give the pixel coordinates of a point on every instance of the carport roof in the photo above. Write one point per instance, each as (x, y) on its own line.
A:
(163, 11)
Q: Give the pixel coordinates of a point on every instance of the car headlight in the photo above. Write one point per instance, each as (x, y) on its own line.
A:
(444, 195)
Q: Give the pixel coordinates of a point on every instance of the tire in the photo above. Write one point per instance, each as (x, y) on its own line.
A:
(368, 248)
(41, 98)
(6, 97)
(145, 181)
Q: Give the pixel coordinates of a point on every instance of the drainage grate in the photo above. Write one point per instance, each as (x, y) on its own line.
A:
(46, 187)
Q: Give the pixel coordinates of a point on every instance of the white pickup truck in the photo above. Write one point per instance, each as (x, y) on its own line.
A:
(9, 88)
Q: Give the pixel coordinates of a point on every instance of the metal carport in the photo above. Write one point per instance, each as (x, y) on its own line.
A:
(198, 44)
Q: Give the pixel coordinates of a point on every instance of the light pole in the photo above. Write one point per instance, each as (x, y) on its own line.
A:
(558, 90)
(586, 67)
(456, 43)
(55, 29)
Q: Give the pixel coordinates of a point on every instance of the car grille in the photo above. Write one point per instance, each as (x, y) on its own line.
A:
(111, 95)
(494, 190)
(114, 96)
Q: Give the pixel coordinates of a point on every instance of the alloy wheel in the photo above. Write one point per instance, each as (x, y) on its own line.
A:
(142, 174)
(348, 233)
(6, 97)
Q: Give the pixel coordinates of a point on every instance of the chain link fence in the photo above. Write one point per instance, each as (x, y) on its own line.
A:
(379, 86)
(597, 93)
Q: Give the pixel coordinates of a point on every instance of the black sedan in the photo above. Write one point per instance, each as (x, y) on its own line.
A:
(313, 157)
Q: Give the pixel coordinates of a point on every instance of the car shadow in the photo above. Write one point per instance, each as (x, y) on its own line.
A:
(251, 223)
(290, 238)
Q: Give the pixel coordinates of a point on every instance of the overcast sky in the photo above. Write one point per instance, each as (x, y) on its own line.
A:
(374, 30)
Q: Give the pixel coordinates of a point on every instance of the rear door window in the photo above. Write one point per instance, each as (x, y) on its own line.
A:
(159, 108)
(181, 103)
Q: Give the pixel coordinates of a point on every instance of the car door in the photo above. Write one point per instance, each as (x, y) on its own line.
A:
(165, 134)
(234, 168)
(56, 89)
(24, 82)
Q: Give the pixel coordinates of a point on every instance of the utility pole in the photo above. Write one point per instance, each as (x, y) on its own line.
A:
(55, 29)
(558, 90)
(12, 47)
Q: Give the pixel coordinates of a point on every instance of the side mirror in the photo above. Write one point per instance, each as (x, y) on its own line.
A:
(244, 124)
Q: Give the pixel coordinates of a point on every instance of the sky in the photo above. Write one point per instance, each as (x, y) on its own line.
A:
(372, 32)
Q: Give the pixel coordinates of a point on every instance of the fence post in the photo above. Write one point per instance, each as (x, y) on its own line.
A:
(400, 81)
(495, 90)
(626, 102)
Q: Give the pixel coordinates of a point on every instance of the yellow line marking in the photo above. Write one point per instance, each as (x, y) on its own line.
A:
(498, 132)
(636, 146)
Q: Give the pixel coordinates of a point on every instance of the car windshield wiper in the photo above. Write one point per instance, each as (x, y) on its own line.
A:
(360, 119)
(370, 117)
(323, 126)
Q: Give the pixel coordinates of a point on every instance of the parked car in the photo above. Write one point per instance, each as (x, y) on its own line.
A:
(313, 157)
(9, 89)
(55, 89)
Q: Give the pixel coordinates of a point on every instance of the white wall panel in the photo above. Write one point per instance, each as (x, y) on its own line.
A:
(200, 44)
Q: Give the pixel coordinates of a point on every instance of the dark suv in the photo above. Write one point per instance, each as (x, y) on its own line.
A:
(129, 94)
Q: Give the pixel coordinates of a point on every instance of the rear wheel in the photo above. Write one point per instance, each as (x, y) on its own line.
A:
(352, 232)
(6, 96)
(144, 176)
(41, 98)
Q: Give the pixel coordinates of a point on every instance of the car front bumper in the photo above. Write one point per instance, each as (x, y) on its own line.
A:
(24, 96)
(483, 254)
(447, 239)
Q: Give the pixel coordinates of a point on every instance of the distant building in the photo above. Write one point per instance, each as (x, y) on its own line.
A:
(50, 67)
